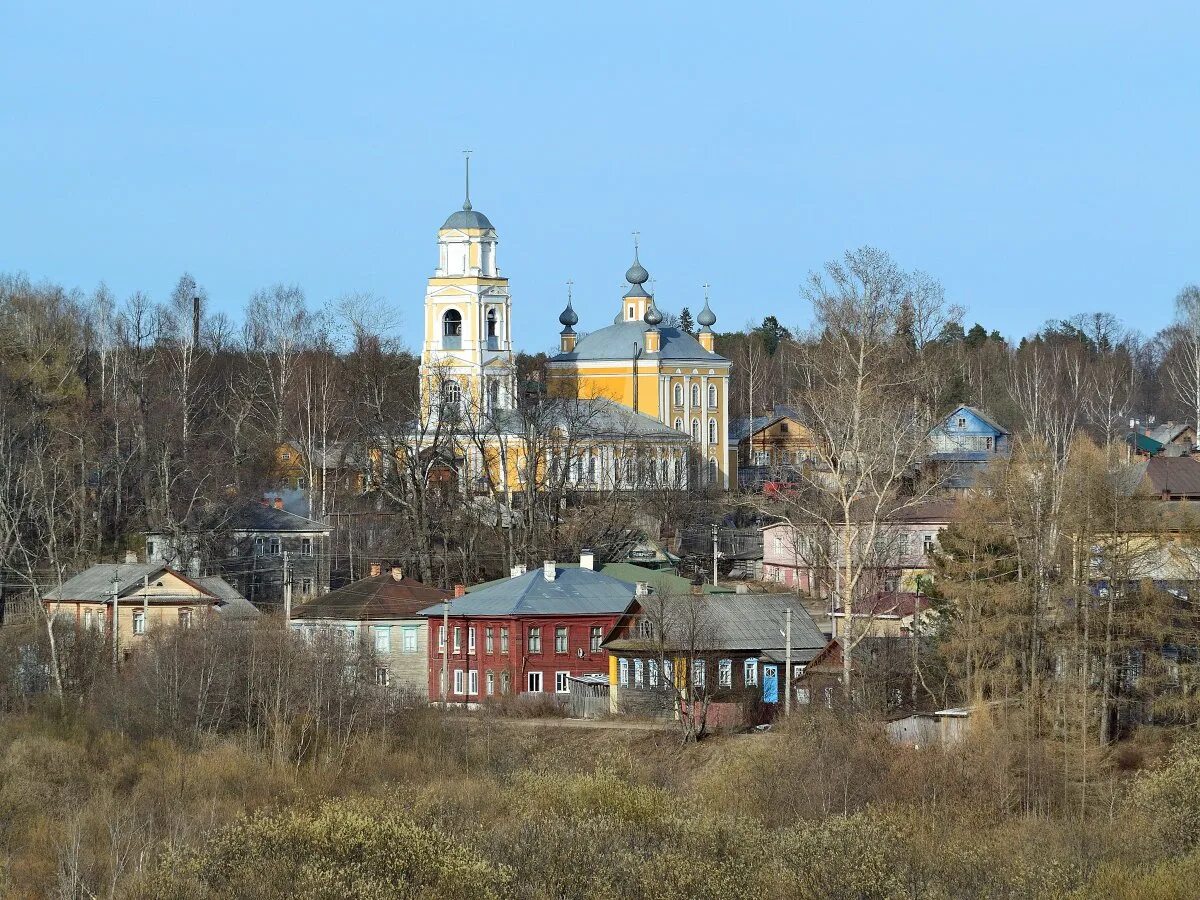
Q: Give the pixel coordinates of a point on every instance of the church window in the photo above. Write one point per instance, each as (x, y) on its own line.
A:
(678, 396)
(452, 393)
(492, 323)
(695, 395)
(695, 429)
(712, 396)
(452, 329)
(494, 394)
(712, 471)
(666, 472)
(679, 424)
(629, 477)
(592, 469)
(712, 431)
(631, 313)
(678, 472)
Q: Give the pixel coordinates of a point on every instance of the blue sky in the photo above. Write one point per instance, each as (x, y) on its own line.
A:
(1040, 159)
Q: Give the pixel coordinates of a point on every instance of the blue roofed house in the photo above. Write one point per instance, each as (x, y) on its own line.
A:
(963, 444)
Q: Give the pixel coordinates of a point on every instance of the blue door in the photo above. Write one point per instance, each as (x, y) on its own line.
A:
(770, 684)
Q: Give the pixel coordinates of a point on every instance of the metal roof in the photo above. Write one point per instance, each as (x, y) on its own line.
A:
(95, 584)
(740, 429)
(753, 622)
(468, 218)
(374, 598)
(573, 591)
(617, 341)
(230, 604)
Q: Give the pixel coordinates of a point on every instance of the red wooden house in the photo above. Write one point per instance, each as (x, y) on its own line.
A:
(525, 635)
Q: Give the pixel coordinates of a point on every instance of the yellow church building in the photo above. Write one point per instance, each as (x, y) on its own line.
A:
(633, 404)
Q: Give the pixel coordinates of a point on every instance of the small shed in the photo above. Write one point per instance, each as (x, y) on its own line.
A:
(588, 696)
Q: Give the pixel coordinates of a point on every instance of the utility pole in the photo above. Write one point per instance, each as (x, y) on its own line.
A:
(787, 657)
(445, 642)
(287, 590)
(116, 621)
(145, 603)
(715, 529)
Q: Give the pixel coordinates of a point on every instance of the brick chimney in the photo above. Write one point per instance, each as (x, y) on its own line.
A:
(549, 570)
(397, 573)
(130, 557)
(277, 503)
(460, 590)
(587, 559)
(376, 568)
(517, 571)
(642, 589)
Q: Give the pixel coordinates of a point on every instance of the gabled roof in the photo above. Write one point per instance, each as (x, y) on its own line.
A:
(900, 604)
(977, 413)
(374, 598)
(617, 342)
(740, 429)
(1175, 476)
(265, 517)
(596, 417)
(573, 591)
(746, 622)
(230, 604)
(1167, 431)
(95, 584)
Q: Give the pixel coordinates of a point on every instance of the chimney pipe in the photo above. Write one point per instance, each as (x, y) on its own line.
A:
(376, 568)
(587, 559)
(397, 573)
(130, 557)
(548, 570)
(642, 589)
(460, 590)
(278, 503)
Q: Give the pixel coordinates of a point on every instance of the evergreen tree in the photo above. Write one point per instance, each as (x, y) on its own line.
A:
(976, 337)
(686, 325)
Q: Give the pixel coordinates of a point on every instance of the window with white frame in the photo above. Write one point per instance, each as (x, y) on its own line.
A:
(306, 585)
(562, 682)
(778, 543)
(668, 672)
(560, 639)
(489, 640)
(489, 683)
(534, 682)
(306, 546)
(88, 620)
(382, 676)
(652, 672)
(185, 618)
(696, 395)
(505, 681)
(383, 638)
(535, 639)
(678, 392)
(712, 431)
(504, 640)
(597, 636)
(725, 673)
(678, 424)
(275, 546)
(698, 673)
(712, 396)
(927, 543)
(695, 430)
(639, 673)
(750, 673)
(460, 681)
(471, 639)
(473, 682)
(139, 622)
(457, 638)
(623, 671)
(408, 639)
(441, 639)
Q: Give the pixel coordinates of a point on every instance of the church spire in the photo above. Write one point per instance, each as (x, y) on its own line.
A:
(467, 160)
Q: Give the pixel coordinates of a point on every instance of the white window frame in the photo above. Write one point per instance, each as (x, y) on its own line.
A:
(139, 622)
(460, 681)
(382, 676)
(383, 638)
(473, 682)
(409, 639)
(652, 672)
(698, 673)
(534, 636)
(489, 639)
(639, 673)
(529, 682)
(442, 639)
(750, 673)
(712, 396)
(563, 645)
(306, 547)
(457, 638)
(725, 673)
(471, 639)
(623, 671)
(562, 682)
(596, 638)
(678, 394)
(504, 639)
(489, 683)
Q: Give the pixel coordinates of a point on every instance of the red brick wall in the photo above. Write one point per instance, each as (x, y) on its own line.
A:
(518, 662)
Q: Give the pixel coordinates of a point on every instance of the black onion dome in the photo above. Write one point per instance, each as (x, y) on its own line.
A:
(568, 317)
(637, 273)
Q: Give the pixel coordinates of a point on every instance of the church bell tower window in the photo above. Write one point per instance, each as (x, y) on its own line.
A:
(452, 330)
